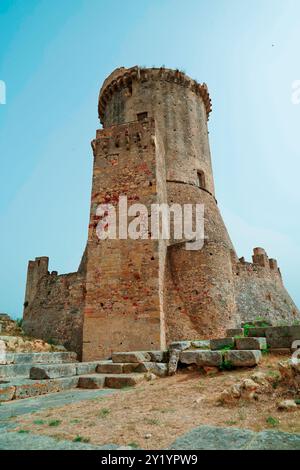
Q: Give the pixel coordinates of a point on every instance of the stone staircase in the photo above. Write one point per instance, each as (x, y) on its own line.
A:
(32, 374)
(25, 375)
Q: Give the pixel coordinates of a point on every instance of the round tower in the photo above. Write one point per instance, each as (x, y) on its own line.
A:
(198, 285)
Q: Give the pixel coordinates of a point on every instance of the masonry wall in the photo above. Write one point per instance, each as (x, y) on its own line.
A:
(260, 291)
(53, 306)
(123, 308)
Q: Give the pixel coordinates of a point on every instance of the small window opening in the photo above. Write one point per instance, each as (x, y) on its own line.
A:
(142, 116)
(201, 179)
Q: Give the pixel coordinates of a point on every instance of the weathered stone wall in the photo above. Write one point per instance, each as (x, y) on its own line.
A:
(123, 307)
(53, 306)
(260, 291)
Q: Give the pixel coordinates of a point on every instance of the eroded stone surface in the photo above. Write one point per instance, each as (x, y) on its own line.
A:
(221, 343)
(201, 357)
(251, 343)
(243, 358)
(52, 371)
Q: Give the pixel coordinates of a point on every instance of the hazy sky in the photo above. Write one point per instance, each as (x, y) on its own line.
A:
(54, 56)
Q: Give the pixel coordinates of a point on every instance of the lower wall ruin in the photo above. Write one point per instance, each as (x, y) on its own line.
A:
(54, 311)
(260, 291)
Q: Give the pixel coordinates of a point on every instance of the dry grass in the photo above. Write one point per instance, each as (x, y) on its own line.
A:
(164, 409)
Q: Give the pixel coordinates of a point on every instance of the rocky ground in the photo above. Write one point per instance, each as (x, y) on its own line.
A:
(156, 413)
(15, 340)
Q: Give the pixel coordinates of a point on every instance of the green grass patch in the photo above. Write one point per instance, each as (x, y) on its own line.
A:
(273, 422)
(104, 412)
(54, 423)
(81, 439)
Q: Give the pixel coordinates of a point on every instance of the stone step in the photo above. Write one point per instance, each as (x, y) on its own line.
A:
(249, 343)
(140, 356)
(221, 343)
(52, 371)
(242, 358)
(158, 368)
(41, 357)
(92, 381)
(23, 370)
(23, 388)
(201, 357)
(110, 380)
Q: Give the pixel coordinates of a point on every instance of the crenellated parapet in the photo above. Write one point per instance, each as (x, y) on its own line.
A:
(261, 263)
(123, 78)
(114, 139)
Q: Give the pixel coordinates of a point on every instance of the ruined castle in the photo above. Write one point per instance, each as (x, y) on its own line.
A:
(142, 294)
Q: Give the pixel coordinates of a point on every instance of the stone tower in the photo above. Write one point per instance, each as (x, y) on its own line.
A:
(142, 294)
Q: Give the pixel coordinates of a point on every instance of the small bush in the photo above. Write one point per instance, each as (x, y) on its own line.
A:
(104, 412)
(272, 421)
(54, 423)
(81, 439)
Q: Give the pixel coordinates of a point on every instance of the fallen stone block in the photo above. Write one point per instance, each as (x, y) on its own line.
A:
(159, 356)
(287, 405)
(180, 345)
(243, 358)
(201, 357)
(133, 356)
(221, 343)
(52, 371)
(159, 369)
(173, 361)
(251, 343)
(201, 344)
(123, 380)
(92, 381)
(232, 332)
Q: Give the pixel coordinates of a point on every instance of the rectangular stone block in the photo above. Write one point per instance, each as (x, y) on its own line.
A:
(221, 343)
(92, 381)
(123, 380)
(83, 368)
(7, 391)
(180, 345)
(243, 358)
(15, 370)
(159, 356)
(27, 388)
(158, 369)
(133, 356)
(201, 344)
(52, 371)
(44, 357)
(256, 331)
(111, 368)
(232, 332)
(251, 343)
(282, 336)
(201, 357)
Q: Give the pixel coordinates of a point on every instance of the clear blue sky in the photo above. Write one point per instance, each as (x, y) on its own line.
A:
(54, 56)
